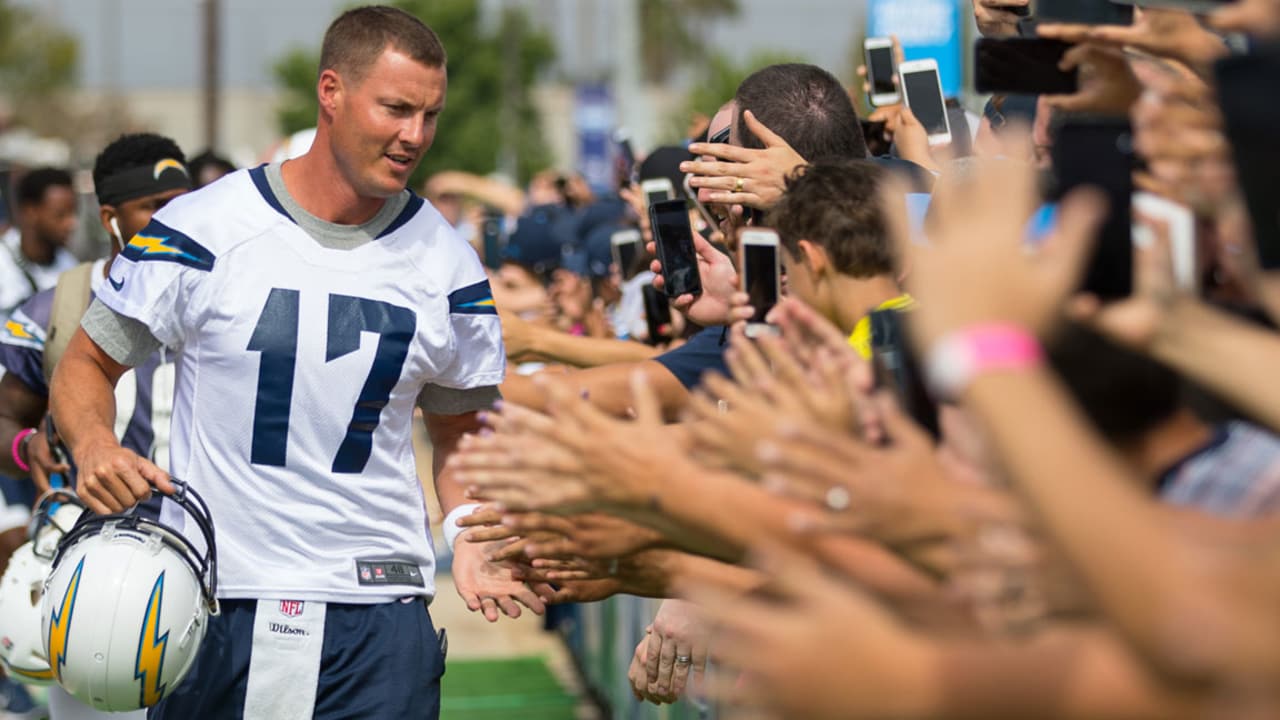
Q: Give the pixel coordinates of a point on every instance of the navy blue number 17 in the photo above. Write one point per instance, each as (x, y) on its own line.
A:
(276, 337)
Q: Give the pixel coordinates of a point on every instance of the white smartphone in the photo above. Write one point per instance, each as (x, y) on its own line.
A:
(761, 270)
(1181, 222)
(626, 248)
(657, 190)
(882, 76)
(692, 193)
(922, 91)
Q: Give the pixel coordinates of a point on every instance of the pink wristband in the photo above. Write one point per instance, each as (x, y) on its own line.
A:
(961, 356)
(17, 443)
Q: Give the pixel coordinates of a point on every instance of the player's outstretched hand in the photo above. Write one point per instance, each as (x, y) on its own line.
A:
(490, 588)
(113, 479)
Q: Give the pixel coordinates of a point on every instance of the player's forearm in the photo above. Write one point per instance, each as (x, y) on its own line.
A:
(1226, 355)
(20, 408)
(82, 395)
(445, 432)
(586, 352)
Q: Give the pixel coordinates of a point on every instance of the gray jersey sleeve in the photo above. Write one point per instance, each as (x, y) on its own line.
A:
(124, 339)
(440, 400)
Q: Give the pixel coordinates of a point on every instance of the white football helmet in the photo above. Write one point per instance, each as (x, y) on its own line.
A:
(21, 642)
(126, 606)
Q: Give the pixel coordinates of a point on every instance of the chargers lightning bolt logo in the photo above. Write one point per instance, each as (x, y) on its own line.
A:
(60, 622)
(166, 164)
(153, 245)
(151, 647)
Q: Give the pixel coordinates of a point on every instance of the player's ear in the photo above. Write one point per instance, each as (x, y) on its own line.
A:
(329, 89)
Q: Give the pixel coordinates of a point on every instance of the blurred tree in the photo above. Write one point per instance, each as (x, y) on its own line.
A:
(670, 34)
(717, 84)
(469, 128)
(37, 61)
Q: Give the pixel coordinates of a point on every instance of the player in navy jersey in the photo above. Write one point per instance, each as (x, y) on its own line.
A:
(312, 305)
(134, 176)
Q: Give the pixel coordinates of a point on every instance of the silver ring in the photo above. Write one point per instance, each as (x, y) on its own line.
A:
(838, 499)
(683, 659)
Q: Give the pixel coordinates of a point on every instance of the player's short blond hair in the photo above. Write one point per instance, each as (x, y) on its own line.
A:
(358, 37)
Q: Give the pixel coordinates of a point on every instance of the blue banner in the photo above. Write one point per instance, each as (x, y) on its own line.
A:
(594, 118)
(926, 29)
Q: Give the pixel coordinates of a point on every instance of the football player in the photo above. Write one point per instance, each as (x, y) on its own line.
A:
(313, 304)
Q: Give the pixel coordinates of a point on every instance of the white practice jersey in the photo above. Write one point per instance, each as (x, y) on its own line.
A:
(298, 367)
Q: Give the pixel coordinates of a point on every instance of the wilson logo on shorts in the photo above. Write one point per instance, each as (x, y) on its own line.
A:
(291, 608)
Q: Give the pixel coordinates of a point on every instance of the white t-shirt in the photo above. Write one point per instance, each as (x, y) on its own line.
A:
(298, 368)
(15, 287)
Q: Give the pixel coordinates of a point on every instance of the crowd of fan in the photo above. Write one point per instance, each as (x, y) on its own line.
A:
(1082, 528)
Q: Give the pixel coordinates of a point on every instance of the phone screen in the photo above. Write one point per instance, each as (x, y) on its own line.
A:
(760, 278)
(925, 98)
(492, 233)
(657, 314)
(1246, 91)
(1099, 153)
(898, 370)
(1022, 65)
(1087, 12)
(673, 236)
(657, 196)
(881, 69)
(627, 253)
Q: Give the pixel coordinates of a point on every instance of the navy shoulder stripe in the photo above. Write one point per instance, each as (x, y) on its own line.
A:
(411, 208)
(158, 241)
(473, 300)
(259, 176)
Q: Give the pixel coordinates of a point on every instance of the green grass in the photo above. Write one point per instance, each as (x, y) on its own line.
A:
(503, 689)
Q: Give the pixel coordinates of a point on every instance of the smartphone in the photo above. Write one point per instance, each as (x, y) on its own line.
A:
(1026, 66)
(1181, 222)
(491, 233)
(1251, 114)
(626, 157)
(1098, 152)
(692, 193)
(1084, 12)
(625, 245)
(657, 190)
(673, 236)
(898, 369)
(882, 74)
(761, 273)
(1193, 6)
(657, 315)
(922, 91)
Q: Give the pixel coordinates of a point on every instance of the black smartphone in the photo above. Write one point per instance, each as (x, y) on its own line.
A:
(491, 233)
(1251, 111)
(673, 236)
(1025, 66)
(1192, 6)
(626, 158)
(1084, 12)
(657, 315)
(1098, 152)
(898, 369)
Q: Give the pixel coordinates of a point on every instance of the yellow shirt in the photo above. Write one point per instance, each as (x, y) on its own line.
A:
(860, 340)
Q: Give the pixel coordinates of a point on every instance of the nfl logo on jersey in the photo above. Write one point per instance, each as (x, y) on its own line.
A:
(291, 608)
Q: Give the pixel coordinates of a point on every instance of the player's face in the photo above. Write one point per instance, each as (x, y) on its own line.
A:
(384, 123)
(54, 219)
(133, 215)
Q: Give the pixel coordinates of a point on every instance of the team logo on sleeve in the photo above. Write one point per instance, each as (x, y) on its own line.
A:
(19, 330)
(473, 300)
(158, 241)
